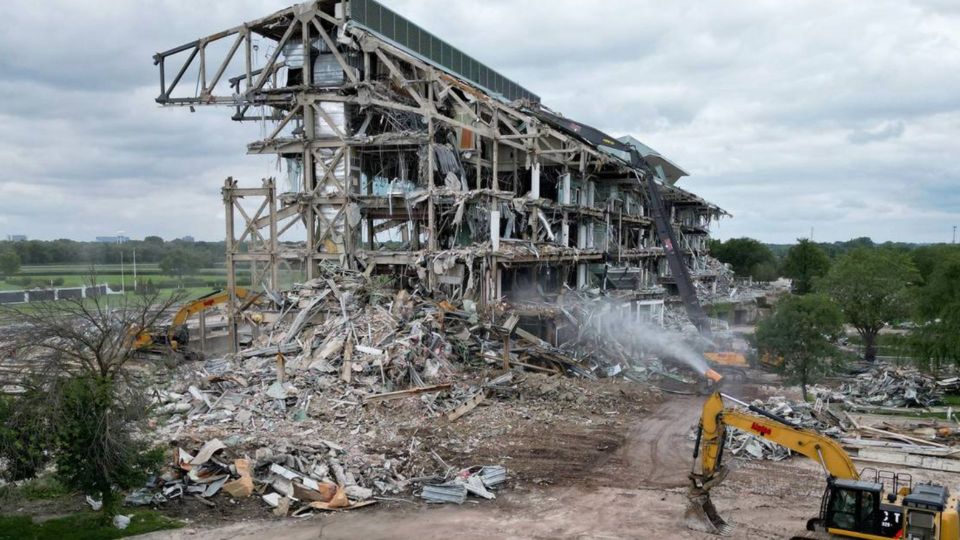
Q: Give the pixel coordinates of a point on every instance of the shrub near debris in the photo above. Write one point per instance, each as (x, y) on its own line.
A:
(95, 450)
(79, 409)
(24, 436)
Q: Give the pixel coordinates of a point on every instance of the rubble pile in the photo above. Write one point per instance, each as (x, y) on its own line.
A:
(950, 385)
(307, 479)
(477, 481)
(726, 286)
(800, 414)
(860, 434)
(888, 386)
(348, 394)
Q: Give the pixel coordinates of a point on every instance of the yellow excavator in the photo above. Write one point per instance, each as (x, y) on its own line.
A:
(870, 504)
(176, 336)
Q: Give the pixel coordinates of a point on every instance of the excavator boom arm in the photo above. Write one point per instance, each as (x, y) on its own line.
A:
(820, 448)
(702, 515)
(201, 304)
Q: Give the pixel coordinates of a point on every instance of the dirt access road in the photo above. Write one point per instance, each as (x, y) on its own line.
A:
(637, 492)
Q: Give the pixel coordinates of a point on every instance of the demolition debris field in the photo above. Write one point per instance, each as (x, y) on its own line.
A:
(368, 408)
(633, 488)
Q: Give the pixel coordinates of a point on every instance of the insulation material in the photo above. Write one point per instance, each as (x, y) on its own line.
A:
(337, 113)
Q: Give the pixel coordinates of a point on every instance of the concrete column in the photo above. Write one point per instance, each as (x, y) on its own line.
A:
(565, 191)
(535, 181)
(495, 230)
(582, 244)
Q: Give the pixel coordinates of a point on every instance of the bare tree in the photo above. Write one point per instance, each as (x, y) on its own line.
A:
(74, 387)
(84, 336)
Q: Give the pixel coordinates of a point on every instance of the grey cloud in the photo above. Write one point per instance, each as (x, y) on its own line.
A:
(887, 131)
(790, 115)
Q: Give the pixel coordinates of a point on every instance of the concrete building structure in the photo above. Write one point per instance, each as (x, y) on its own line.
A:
(406, 157)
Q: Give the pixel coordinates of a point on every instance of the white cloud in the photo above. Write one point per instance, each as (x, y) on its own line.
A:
(841, 116)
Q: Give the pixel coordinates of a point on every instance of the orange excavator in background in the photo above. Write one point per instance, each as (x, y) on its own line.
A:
(176, 335)
(869, 504)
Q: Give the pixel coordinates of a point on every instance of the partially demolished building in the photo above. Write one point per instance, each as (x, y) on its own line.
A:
(407, 157)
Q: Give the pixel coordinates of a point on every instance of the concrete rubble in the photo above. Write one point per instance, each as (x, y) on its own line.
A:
(805, 415)
(868, 433)
(477, 481)
(305, 417)
(889, 386)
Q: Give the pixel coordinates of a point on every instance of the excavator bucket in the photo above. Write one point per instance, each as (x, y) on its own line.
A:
(702, 516)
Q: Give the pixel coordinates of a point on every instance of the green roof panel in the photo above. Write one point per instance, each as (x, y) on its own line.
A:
(382, 20)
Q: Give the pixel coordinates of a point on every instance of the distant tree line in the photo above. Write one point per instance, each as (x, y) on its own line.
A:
(806, 260)
(152, 249)
(915, 287)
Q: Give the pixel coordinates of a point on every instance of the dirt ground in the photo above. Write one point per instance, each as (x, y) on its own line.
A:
(631, 485)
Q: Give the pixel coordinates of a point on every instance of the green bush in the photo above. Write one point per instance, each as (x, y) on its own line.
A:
(96, 452)
(25, 436)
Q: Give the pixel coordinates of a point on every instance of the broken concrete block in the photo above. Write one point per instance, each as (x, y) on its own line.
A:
(283, 507)
(240, 488)
(358, 493)
(283, 486)
(207, 452)
(273, 499)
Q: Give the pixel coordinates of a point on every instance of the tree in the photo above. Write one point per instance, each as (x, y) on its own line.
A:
(24, 439)
(9, 263)
(942, 288)
(96, 451)
(927, 258)
(78, 393)
(936, 343)
(873, 288)
(748, 257)
(801, 331)
(804, 263)
(179, 263)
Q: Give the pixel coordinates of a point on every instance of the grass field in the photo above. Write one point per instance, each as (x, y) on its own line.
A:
(82, 526)
(47, 495)
(76, 275)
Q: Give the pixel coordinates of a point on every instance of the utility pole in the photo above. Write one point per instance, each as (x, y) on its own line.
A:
(135, 288)
(123, 288)
(954, 234)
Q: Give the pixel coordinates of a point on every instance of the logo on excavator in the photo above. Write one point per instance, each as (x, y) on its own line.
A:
(762, 430)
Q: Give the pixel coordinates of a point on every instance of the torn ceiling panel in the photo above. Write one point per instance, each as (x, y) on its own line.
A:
(671, 171)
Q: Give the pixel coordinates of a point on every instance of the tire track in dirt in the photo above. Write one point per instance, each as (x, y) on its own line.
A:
(657, 452)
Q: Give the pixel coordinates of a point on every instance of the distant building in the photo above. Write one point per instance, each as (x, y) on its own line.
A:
(188, 239)
(16, 238)
(113, 239)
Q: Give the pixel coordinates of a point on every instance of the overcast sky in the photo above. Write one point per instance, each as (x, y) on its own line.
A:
(839, 116)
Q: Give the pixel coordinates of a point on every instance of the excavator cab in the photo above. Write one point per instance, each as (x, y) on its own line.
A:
(856, 506)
